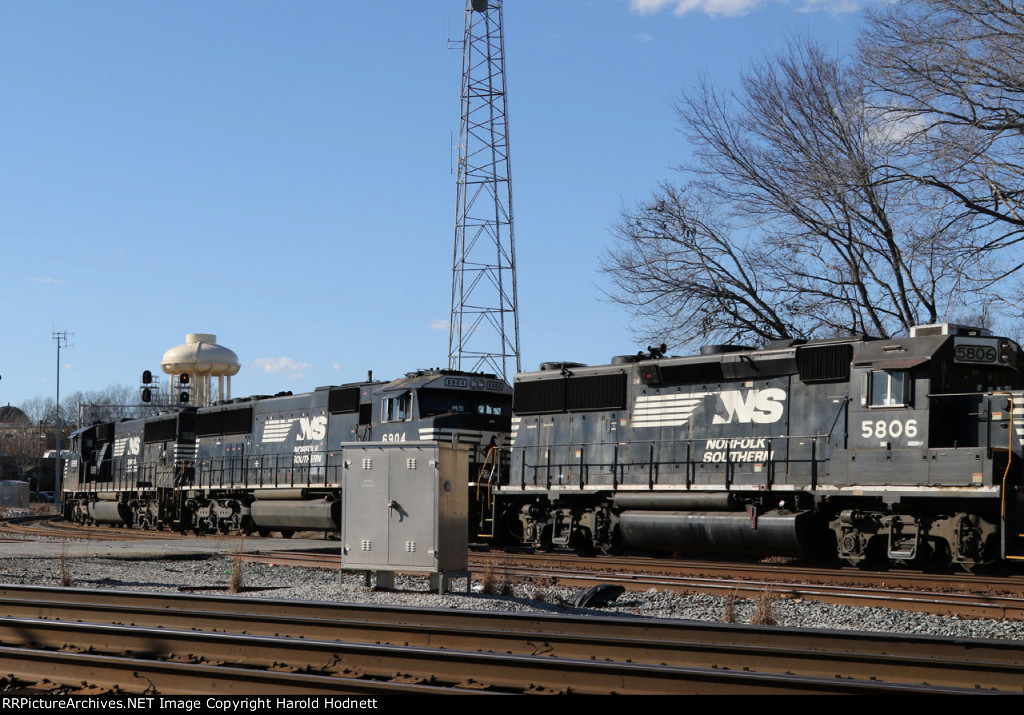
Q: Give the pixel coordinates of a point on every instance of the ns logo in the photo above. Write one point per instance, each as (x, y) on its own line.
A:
(127, 446)
(312, 428)
(758, 406)
(309, 429)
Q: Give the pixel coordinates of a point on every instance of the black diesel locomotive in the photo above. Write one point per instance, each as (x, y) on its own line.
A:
(264, 464)
(907, 450)
(902, 450)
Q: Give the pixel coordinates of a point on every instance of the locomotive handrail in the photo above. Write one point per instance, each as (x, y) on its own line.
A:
(114, 474)
(264, 471)
(842, 406)
(228, 472)
(930, 395)
(649, 468)
(1004, 520)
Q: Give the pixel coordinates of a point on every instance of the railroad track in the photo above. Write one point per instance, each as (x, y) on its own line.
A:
(1005, 583)
(884, 595)
(147, 642)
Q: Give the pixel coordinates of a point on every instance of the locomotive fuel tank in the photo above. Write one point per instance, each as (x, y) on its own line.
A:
(769, 534)
(294, 510)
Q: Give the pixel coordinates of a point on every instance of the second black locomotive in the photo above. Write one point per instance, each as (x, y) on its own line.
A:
(264, 464)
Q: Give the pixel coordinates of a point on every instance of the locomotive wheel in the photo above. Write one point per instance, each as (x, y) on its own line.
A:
(875, 557)
(287, 534)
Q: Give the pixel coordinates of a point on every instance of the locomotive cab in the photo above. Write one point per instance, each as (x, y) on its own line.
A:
(925, 465)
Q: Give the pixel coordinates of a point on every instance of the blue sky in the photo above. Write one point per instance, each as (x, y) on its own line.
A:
(279, 174)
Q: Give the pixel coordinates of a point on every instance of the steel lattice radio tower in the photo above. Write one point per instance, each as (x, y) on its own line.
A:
(484, 333)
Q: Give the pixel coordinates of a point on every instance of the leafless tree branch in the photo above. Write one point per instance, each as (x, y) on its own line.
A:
(811, 232)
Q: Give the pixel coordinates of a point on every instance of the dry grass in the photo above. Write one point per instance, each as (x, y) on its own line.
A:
(237, 582)
(65, 573)
(496, 580)
(729, 608)
(763, 611)
(489, 582)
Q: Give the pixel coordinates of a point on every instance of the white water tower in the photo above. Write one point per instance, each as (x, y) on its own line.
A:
(202, 359)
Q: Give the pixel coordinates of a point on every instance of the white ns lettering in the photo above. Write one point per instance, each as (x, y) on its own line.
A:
(312, 427)
(760, 406)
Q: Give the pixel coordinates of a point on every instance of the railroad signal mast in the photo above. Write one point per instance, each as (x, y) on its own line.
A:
(484, 330)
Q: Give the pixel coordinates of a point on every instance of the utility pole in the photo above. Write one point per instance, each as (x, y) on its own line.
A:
(484, 330)
(61, 338)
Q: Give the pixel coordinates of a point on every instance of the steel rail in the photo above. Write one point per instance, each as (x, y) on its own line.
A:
(492, 671)
(1006, 581)
(47, 670)
(954, 662)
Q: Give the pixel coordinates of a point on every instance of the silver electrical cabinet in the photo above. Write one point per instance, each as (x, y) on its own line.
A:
(405, 508)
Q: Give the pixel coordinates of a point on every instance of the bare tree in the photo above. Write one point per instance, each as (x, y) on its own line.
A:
(112, 403)
(810, 235)
(679, 271)
(40, 410)
(948, 76)
(79, 409)
(23, 447)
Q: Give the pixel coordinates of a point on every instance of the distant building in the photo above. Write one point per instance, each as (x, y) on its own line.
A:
(11, 416)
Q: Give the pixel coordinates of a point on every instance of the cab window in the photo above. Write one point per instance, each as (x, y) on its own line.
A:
(885, 388)
(397, 408)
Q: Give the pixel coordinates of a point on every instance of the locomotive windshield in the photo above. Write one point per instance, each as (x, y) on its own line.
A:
(439, 402)
(981, 378)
